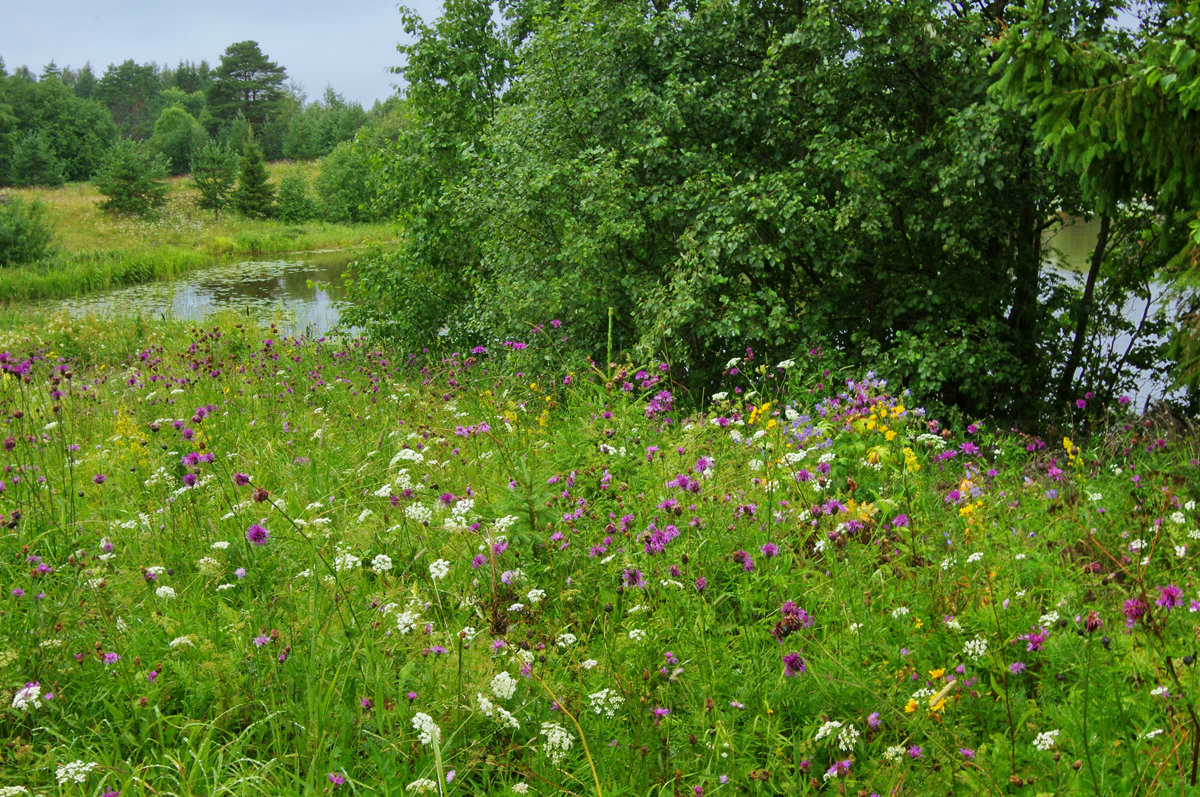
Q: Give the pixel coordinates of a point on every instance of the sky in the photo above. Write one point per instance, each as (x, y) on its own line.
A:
(348, 45)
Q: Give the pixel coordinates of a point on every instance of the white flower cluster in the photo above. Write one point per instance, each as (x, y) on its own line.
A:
(637, 634)
(427, 730)
(558, 742)
(28, 696)
(422, 786)
(407, 455)
(439, 569)
(504, 686)
(418, 512)
(406, 621)
(345, 560)
(165, 592)
(566, 639)
(847, 738)
(208, 565)
(827, 729)
(976, 648)
(74, 772)
(899, 611)
(1045, 740)
(605, 702)
(381, 563)
(894, 753)
(535, 595)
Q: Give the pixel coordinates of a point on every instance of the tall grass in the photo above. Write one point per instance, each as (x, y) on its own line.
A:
(244, 564)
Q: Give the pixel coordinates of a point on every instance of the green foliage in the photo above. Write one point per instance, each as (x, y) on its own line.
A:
(724, 176)
(34, 163)
(344, 188)
(132, 93)
(177, 135)
(254, 198)
(78, 131)
(214, 173)
(295, 202)
(246, 82)
(133, 177)
(455, 70)
(24, 233)
(322, 126)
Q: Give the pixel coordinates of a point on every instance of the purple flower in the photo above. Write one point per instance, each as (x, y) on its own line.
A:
(261, 640)
(701, 584)
(257, 534)
(915, 752)
(99, 478)
(1170, 597)
(336, 779)
(769, 549)
(900, 521)
(873, 720)
(794, 665)
(966, 752)
(1133, 610)
(1036, 638)
(111, 658)
(1017, 667)
(839, 768)
(632, 577)
(241, 479)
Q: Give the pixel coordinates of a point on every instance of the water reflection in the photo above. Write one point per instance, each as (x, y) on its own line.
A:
(301, 294)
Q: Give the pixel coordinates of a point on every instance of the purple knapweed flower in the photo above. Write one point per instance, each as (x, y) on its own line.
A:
(1170, 597)
(793, 665)
(257, 534)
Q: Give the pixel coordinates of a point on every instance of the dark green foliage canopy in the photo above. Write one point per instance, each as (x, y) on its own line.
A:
(132, 93)
(246, 82)
(77, 131)
(177, 135)
(133, 177)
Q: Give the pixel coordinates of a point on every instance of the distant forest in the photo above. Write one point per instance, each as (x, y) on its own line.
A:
(56, 126)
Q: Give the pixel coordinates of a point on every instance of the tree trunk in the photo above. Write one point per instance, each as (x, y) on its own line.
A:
(1084, 313)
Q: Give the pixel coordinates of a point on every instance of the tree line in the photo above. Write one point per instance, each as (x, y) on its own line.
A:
(58, 126)
(877, 178)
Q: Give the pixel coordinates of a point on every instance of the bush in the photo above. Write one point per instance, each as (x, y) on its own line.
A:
(343, 187)
(24, 234)
(295, 203)
(133, 177)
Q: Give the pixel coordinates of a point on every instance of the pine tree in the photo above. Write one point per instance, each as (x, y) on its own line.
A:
(214, 173)
(34, 162)
(254, 198)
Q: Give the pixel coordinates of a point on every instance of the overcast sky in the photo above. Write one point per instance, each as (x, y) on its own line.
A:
(349, 45)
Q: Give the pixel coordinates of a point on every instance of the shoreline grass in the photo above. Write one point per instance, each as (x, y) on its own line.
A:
(297, 567)
(94, 250)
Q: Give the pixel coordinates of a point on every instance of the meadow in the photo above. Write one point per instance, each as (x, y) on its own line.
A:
(94, 250)
(233, 563)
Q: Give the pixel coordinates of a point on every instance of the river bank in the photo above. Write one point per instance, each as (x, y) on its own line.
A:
(94, 250)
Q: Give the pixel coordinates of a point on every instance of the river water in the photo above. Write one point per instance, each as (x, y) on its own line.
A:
(301, 293)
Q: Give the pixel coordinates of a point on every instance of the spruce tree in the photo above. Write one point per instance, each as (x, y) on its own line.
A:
(254, 198)
(34, 162)
(214, 173)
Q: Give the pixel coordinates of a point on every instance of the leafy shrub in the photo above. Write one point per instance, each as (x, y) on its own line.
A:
(344, 186)
(295, 202)
(24, 234)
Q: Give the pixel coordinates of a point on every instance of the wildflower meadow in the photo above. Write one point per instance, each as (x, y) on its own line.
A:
(237, 563)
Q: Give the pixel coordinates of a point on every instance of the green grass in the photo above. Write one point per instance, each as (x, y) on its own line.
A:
(95, 250)
(588, 582)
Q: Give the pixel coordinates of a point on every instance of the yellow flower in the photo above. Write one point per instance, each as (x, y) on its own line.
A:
(939, 706)
(918, 623)
(910, 707)
(910, 461)
(938, 673)
(889, 435)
